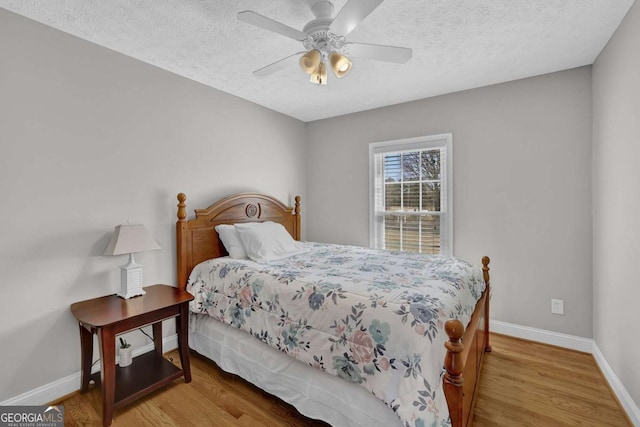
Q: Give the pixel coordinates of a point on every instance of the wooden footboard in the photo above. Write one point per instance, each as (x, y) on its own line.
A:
(465, 353)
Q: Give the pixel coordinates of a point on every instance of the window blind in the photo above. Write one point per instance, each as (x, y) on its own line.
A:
(410, 208)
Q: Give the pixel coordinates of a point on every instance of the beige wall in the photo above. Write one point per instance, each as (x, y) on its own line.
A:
(522, 187)
(88, 139)
(616, 201)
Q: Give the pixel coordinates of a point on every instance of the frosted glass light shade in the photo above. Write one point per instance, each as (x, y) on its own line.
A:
(309, 61)
(319, 76)
(340, 64)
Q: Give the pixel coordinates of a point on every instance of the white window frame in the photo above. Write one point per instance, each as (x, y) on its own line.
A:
(445, 141)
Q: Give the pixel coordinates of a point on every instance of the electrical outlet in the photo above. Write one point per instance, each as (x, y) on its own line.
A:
(557, 306)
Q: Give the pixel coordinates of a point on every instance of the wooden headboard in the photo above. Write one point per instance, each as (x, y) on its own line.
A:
(196, 239)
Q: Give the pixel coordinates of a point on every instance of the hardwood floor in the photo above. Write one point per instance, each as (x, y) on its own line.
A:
(523, 384)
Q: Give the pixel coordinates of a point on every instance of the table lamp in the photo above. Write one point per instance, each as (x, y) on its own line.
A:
(128, 239)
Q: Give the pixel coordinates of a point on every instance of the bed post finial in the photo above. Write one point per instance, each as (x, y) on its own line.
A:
(297, 209)
(454, 366)
(453, 362)
(485, 269)
(182, 207)
(296, 219)
(487, 281)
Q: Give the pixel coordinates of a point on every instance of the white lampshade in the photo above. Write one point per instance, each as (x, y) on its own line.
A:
(128, 239)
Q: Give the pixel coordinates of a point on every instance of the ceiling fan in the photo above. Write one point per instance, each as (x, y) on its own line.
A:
(324, 39)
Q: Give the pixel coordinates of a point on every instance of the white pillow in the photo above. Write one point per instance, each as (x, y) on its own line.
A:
(231, 241)
(267, 241)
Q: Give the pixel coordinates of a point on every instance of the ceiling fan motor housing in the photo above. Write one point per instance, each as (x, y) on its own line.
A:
(321, 8)
(320, 37)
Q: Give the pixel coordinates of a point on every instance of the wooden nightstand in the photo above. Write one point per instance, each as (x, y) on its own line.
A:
(111, 315)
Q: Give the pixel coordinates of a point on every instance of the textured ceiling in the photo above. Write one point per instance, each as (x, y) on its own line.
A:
(456, 44)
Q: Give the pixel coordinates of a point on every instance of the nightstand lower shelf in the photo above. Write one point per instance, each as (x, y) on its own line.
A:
(147, 373)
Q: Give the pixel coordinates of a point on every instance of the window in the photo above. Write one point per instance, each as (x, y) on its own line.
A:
(411, 195)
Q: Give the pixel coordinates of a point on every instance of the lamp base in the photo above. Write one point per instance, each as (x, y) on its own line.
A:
(131, 294)
(130, 280)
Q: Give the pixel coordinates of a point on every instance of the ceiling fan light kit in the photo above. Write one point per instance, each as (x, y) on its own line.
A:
(314, 64)
(324, 39)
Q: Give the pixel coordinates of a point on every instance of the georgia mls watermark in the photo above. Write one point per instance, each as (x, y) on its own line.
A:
(32, 416)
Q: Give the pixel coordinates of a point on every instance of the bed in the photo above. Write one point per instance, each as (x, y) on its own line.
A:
(396, 400)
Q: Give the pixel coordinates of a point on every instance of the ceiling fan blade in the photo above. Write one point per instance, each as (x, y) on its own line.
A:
(379, 52)
(250, 17)
(276, 66)
(351, 14)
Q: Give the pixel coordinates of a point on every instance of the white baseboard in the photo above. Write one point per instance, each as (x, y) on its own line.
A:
(621, 393)
(541, 335)
(59, 388)
(573, 342)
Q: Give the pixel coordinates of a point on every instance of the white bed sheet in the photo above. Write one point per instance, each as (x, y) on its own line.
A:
(321, 396)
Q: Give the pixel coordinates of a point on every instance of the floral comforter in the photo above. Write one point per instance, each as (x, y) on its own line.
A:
(371, 317)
